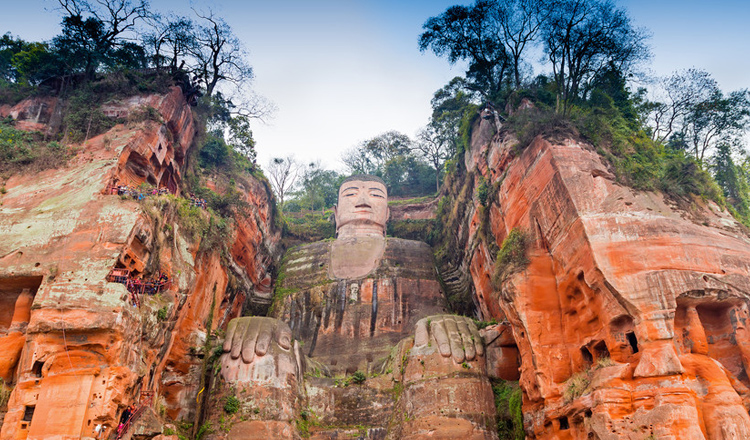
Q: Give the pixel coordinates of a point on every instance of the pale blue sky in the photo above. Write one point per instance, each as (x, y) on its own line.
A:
(343, 71)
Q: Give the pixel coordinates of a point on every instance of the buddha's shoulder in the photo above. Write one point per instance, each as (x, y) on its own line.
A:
(306, 264)
(401, 246)
(410, 258)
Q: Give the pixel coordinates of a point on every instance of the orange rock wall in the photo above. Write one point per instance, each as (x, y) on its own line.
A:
(73, 347)
(630, 317)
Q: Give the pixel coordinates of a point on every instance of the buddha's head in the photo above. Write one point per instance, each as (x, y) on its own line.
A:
(362, 208)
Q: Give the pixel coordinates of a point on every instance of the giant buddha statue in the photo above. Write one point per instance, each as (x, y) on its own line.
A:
(358, 331)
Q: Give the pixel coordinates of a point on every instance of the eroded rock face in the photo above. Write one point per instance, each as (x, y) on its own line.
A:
(73, 346)
(630, 318)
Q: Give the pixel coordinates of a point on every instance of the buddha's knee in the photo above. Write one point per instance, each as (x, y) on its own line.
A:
(260, 368)
(445, 380)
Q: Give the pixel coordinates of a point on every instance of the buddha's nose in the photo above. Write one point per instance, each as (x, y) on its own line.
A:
(363, 200)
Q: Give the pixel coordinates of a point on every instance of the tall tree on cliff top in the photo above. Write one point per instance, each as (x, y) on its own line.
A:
(218, 54)
(733, 179)
(101, 33)
(718, 120)
(171, 41)
(690, 111)
(26, 63)
(675, 97)
(492, 36)
(584, 37)
(580, 38)
(466, 33)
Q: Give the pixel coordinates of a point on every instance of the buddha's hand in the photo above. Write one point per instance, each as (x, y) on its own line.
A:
(257, 348)
(455, 336)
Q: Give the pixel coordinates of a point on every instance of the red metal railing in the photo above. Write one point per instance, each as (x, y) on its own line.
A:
(145, 402)
(138, 286)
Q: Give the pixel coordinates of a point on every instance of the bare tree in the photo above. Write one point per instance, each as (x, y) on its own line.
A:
(172, 39)
(283, 173)
(676, 97)
(119, 16)
(435, 146)
(100, 32)
(517, 23)
(718, 120)
(254, 106)
(219, 55)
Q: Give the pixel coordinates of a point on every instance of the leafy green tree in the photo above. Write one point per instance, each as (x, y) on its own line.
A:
(441, 138)
(241, 137)
(391, 156)
(466, 33)
(718, 120)
(215, 153)
(27, 63)
(408, 176)
(582, 38)
(318, 187)
(612, 83)
(372, 155)
(9, 46)
(492, 36)
(100, 33)
(82, 45)
(733, 179)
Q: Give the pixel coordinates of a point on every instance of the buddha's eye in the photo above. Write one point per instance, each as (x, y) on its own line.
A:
(380, 196)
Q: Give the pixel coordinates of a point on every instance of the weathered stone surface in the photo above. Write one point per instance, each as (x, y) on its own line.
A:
(413, 211)
(262, 430)
(38, 113)
(74, 348)
(354, 303)
(615, 276)
(447, 393)
(351, 324)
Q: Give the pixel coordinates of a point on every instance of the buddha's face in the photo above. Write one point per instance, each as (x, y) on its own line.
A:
(362, 204)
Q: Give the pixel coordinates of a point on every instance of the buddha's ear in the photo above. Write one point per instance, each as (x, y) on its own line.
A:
(336, 214)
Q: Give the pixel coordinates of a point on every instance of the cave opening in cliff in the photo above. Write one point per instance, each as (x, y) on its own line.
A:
(36, 369)
(601, 350)
(564, 423)
(28, 413)
(155, 162)
(714, 317)
(11, 289)
(166, 181)
(719, 321)
(632, 340)
(588, 359)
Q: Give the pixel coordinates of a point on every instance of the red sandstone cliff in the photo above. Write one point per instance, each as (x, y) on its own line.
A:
(630, 319)
(74, 349)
